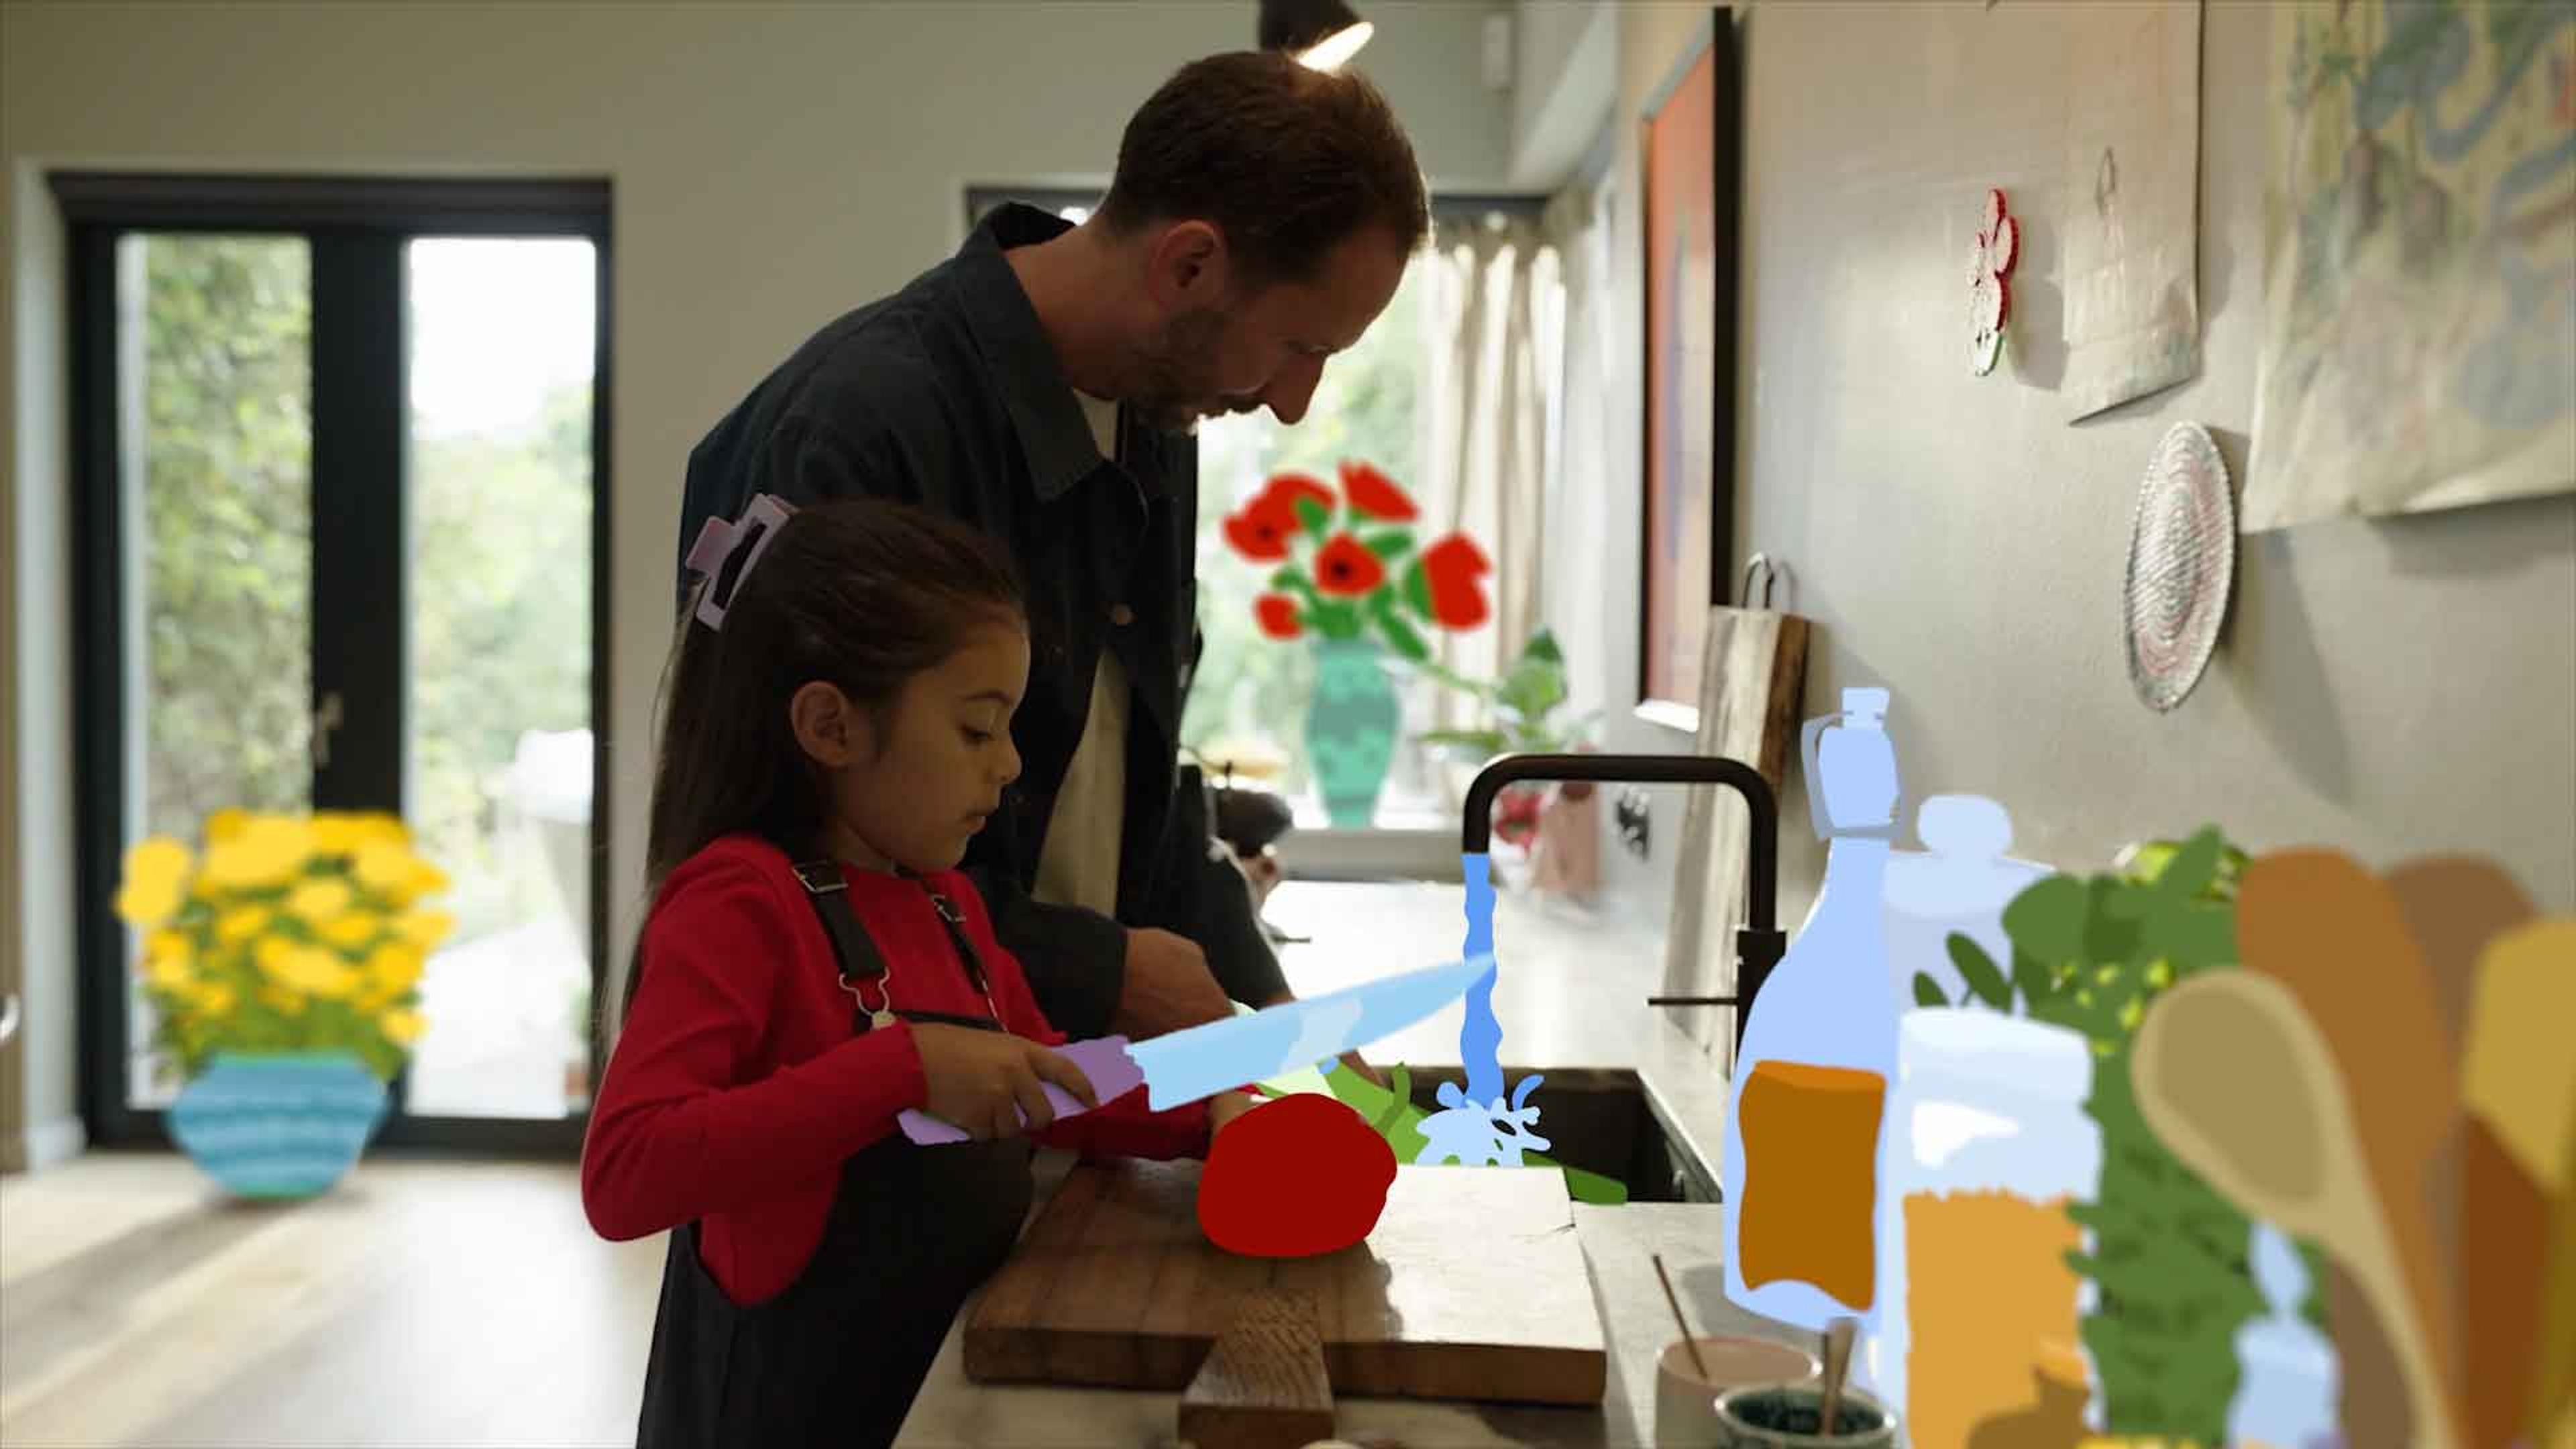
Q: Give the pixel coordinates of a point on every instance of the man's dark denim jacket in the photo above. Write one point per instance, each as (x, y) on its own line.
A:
(948, 394)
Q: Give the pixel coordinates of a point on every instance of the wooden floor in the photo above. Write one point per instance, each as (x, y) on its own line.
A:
(423, 1302)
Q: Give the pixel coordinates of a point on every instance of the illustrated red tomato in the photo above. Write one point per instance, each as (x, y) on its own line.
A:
(1293, 1178)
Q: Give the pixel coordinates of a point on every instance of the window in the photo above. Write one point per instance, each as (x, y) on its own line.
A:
(1248, 703)
(342, 507)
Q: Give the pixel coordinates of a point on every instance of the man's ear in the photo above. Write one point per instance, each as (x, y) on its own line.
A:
(832, 732)
(1187, 266)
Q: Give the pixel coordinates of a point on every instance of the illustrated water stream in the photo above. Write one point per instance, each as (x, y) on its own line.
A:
(1480, 1126)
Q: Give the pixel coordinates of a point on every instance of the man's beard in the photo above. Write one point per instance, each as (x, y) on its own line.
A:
(1175, 374)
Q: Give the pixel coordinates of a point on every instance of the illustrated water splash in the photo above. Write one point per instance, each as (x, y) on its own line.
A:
(1477, 1135)
(1479, 1127)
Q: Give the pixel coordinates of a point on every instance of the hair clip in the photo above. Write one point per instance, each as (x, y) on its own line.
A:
(726, 552)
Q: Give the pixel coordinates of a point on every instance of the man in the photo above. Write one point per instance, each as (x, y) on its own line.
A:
(1044, 384)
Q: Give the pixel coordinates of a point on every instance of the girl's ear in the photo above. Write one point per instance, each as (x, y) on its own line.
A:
(830, 730)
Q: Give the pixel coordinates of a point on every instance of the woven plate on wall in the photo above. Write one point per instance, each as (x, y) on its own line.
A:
(2182, 561)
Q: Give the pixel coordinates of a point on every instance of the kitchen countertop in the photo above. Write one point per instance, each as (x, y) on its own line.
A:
(1570, 992)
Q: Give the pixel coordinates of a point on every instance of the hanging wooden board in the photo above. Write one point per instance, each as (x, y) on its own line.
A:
(1472, 1286)
(1752, 685)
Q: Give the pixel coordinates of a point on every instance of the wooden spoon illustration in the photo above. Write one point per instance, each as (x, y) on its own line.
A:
(2490, 1219)
(2454, 905)
(2236, 1079)
(2520, 1236)
(2337, 937)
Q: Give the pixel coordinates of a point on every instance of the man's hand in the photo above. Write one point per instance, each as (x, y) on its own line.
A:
(1168, 987)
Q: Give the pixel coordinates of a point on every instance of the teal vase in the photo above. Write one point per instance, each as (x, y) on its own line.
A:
(278, 1125)
(1350, 729)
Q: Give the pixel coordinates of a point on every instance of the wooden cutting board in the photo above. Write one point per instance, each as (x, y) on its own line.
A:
(1472, 1286)
(1753, 673)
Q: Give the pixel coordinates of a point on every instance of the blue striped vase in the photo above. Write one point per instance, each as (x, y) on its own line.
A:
(278, 1125)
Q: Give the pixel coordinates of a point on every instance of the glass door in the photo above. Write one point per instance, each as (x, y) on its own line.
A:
(214, 442)
(341, 510)
(497, 746)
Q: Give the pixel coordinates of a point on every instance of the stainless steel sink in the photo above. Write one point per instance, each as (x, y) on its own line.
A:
(1600, 1120)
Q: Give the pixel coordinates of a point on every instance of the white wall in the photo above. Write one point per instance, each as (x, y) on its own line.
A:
(773, 165)
(1565, 79)
(2392, 688)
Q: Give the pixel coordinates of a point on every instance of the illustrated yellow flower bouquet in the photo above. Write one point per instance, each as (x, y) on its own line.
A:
(292, 934)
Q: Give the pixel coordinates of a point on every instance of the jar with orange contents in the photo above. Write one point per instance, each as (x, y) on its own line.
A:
(1976, 1339)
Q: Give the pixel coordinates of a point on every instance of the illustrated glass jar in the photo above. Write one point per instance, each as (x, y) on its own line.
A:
(1977, 1335)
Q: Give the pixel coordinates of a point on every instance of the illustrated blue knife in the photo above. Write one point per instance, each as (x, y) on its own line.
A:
(1185, 1066)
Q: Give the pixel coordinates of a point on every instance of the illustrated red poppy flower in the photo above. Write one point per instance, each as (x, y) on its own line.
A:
(1279, 497)
(1452, 566)
(1278, 616)
(1258, 534)
(1373, 493)
(1345, 568)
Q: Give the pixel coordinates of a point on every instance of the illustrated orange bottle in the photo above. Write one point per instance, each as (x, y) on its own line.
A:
(1799, 1171)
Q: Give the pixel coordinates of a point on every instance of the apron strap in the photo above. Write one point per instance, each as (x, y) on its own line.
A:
(859, 962)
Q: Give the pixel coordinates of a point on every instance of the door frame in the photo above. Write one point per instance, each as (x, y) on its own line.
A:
(352, 224)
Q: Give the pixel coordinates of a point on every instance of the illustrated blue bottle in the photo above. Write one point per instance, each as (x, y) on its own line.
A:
(1798, 1173)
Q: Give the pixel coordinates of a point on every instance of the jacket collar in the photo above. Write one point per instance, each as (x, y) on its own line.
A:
(1021, 362)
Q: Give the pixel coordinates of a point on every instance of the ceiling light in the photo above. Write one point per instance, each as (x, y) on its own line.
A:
(1321, 34)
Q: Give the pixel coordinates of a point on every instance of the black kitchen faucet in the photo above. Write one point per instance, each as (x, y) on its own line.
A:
(1761, 943)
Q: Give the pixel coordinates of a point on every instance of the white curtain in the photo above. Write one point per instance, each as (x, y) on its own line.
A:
(1580, 475)
(1489, 412)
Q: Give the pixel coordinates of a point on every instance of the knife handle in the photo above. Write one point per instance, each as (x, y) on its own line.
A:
(1104, 1063)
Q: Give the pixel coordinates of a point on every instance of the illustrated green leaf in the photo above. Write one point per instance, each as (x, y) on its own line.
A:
(1985, 981)
(1289, 580)
(1927, 992)
(1399, 1081)
(2034, 980)
(1390, 545)
(1399, 634)
(1417, 588)
(1314, 517)
(2047, 919)
(2193, 934)
(1335, 620)
(2191, 869)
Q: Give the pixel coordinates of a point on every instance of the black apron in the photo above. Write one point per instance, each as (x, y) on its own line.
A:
(836, 1358)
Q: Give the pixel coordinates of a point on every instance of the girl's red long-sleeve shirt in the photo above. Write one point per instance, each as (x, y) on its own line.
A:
(737, 1092)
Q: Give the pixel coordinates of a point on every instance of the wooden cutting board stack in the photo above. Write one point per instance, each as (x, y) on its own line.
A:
(1753, 674)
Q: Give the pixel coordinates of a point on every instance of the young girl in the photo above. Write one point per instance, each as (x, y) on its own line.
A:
(838, 726)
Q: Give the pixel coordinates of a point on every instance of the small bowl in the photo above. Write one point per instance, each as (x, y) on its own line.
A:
(1686, 1398)
(1785, 1416)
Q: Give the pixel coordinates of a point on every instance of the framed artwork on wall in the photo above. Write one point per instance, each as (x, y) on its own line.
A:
(1689, 157)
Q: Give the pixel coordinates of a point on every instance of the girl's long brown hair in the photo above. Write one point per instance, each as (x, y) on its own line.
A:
(860, 593)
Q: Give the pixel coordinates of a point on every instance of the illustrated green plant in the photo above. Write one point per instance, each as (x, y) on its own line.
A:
(2168, 1257)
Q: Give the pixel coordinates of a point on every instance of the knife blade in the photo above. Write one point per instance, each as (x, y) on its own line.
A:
(1201, 1061)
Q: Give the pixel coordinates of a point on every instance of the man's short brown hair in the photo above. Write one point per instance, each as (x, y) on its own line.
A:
(1287, 162)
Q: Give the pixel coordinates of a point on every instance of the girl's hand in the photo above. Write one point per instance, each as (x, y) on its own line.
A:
(983, 1082)
(1224, 1107)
